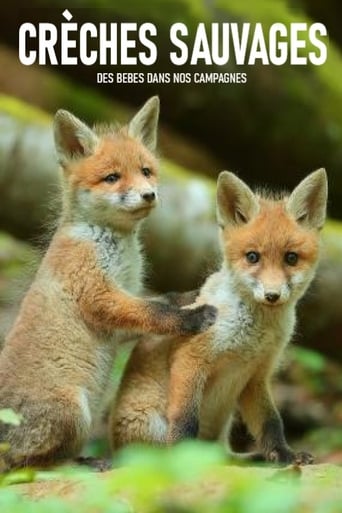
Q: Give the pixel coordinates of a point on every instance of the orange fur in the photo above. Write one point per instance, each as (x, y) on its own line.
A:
(272, 233)
(116, 151)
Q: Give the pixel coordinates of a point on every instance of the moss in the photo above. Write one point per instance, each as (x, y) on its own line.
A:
(179, 173)
(83, 101)
(332, 240)
(191, 477)
(23, 111)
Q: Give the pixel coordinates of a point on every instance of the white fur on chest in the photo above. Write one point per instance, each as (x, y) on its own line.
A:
(118, 255)
(242, 338)
(248, 329)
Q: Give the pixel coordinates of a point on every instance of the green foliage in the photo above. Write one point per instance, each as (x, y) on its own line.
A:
(13, 256)
(325, 439)
(193, 477)
(120, 363)
(310, 360)
(317, 373)
(26, 475)
(8, 416)
(332, 240)
(23, 111)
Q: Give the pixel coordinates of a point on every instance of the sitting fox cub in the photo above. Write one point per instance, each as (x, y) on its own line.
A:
(176, 390)
(57, 358)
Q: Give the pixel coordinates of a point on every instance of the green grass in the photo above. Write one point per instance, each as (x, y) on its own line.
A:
(191, 477)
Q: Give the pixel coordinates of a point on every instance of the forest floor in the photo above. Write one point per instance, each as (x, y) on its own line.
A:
(214, 488)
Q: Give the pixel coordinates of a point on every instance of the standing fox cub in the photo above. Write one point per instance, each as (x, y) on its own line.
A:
(57, 358)
(191, 388)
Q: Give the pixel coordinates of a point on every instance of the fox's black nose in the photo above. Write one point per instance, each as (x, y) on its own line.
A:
(272, 297)
(149, 196)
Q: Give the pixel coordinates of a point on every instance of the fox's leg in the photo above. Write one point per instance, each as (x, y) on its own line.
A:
(50, 432)
(138, 415)
(188, 375)
(265, 424)
(145, 425)
(106, 308)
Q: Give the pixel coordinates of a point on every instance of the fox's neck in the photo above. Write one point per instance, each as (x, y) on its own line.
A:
(97, 233)
(243, 319)
(118, 254)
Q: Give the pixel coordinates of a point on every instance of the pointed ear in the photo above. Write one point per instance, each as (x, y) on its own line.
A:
(73, 138)
(308, 202)
(145, 123)
(236, 203)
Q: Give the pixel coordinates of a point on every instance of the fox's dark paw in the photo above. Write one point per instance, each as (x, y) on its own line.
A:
(286, 456)
(184, 427)
(303, 458)
(198, 319)
(281, 455)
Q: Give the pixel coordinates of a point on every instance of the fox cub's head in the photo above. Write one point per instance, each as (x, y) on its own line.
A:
(271, 245)
(110, 175)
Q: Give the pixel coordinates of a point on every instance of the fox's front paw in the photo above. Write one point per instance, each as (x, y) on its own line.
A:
(285, 456)
(303, 458)
(198, 319)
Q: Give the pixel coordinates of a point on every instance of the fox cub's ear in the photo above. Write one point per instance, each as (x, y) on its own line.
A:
(73, 138)
(145, 123)
(236, 203)
(308, 202)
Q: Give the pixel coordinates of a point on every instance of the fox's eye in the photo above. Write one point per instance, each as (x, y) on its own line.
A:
(146, 172)
(112, 178)
(253, 257)
(291, 258)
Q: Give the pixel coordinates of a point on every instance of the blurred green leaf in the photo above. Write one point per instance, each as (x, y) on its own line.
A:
(8, 416)
(25, 475)
(311, 360)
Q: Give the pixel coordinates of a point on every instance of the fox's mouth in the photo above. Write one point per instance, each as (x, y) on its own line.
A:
(273, 305)
(141, 211)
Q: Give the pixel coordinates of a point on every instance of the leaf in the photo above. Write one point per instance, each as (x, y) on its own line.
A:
(25, 475)
(311, 360)
(290, 473)
(4, 447)
(8, 416)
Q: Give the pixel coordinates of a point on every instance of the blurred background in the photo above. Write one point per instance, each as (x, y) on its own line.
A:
(283, 123)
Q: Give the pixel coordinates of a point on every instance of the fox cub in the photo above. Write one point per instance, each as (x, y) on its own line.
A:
(57, 358)
(186, 389)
